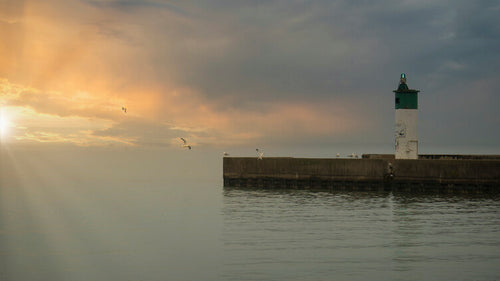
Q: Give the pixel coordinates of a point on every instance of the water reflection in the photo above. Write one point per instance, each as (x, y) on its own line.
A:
(400, 195)
(359, 235)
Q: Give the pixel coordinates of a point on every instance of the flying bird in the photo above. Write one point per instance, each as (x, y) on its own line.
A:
(259, 154)
(185, 144)
(124, 109)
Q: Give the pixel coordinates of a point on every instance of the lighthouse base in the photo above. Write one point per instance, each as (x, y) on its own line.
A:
(406, 146)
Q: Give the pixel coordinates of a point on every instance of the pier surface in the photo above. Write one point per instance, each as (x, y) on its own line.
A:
(371, 172)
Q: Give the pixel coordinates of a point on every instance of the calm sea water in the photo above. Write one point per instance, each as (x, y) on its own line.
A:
(200, 231)
(119, 219)
(303, 235)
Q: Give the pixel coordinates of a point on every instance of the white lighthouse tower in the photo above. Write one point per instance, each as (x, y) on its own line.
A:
(406, 121)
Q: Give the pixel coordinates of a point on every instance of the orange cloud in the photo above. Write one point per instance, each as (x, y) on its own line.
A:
(54, 117)
(86, 119)
(69, 69)
(213, 122)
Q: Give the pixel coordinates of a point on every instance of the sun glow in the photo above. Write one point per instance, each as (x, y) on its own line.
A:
(4, 124)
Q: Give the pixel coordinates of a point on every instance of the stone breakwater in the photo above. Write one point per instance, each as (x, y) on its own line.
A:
(371, 172)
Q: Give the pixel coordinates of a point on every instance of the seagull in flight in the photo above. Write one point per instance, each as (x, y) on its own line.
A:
(259, 154)
(124, 109)
(185, 143)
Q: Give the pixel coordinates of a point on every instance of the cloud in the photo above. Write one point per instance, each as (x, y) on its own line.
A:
(57, 103)
(239, 72)
(86, 119)
(54, 117)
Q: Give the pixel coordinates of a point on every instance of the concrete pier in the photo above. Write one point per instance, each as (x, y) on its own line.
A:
(372, 172)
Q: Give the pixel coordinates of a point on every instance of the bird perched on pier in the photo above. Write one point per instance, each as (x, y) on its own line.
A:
(259, 154)
(353, 155)
(185, 144)
(124, 109)
(225, 154)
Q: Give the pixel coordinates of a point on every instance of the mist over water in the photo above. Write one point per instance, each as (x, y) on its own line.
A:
(128, 215)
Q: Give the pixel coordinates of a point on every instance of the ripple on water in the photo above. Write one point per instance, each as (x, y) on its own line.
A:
(289, 235)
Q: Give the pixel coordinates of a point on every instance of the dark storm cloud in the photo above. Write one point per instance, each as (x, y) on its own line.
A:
(247, 52)
(271, 49)
(131, 5)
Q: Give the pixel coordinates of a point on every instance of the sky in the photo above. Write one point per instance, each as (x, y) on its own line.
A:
(79, 176)
(246, 74)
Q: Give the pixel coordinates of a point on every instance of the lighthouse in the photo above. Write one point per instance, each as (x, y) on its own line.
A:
(406, 104)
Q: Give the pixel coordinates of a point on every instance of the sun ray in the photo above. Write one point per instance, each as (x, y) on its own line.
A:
(4, 124)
